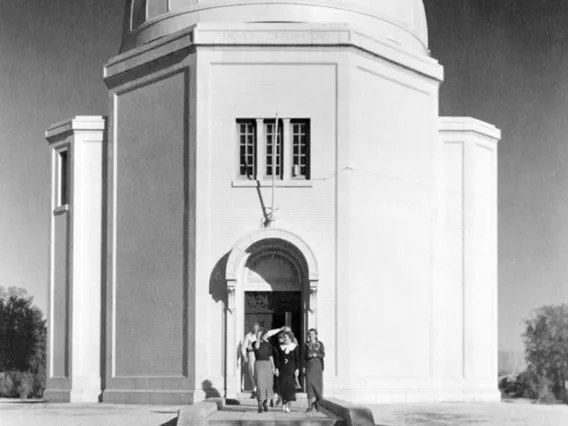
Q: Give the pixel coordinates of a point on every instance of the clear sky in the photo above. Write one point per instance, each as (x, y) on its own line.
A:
(506, 62)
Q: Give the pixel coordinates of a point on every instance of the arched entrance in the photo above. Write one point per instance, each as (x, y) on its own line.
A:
(271, 277)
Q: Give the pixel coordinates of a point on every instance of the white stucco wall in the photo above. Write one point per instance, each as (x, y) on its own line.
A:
(400, 216)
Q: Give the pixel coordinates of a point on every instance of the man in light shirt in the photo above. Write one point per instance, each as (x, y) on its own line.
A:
(248, 353)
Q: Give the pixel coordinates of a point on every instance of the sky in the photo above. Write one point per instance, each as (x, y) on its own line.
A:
(506, 62)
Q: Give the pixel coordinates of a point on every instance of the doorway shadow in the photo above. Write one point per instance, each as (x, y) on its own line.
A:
(217, 282)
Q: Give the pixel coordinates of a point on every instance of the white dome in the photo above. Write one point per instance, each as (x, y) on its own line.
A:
(399, 22)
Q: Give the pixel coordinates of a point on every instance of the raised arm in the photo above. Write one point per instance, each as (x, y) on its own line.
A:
(271, 333)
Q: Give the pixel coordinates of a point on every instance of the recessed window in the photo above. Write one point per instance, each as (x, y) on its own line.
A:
(266, 149)
(274, 143)
(300, 149)
(63, 178)
(247, 148)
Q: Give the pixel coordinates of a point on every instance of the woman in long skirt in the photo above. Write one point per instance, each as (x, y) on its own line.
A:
(287, 370)
(263, 370)
(314, 355)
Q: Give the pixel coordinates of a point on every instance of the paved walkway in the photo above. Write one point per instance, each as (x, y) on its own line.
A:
(520, 413)
(18, 413)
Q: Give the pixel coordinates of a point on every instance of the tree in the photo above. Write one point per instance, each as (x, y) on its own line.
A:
(546, 349)
(23, 335)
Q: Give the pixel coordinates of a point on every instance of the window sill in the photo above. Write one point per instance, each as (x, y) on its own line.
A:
(61, 209)
(268, 183)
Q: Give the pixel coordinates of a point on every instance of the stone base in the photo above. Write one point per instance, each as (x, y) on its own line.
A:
(86, 395)
(57, 395)
(152, 397)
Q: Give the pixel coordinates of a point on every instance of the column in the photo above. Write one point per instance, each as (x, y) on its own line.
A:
(232, 373)
(75, 317)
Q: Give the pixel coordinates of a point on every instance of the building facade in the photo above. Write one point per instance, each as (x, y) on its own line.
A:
(282, 162)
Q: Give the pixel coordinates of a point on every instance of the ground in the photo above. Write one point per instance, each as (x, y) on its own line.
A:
(519, 413)
(17, 413)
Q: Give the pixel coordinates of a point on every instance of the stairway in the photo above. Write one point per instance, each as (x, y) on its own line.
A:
(244, 413)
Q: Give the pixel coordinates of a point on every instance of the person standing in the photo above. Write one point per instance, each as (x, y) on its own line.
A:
(247, 352)
(287, 370)
(264, 370)
(314, 354)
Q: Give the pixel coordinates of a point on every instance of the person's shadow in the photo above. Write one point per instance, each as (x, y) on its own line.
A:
(210, 391)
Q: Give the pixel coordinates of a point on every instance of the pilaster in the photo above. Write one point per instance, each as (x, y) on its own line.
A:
(476, 218)
(75, 317)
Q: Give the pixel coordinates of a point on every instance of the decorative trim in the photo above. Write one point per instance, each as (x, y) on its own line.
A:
(239, 251)
(340, 36)
(268, 183)
(470, 125)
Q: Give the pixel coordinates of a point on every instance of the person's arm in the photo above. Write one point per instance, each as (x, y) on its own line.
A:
(271, 358)
(244, 348)
(276, 361)
(271, 333)
(321, 352)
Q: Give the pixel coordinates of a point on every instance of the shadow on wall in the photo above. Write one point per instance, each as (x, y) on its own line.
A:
(217, 283)
(210, 391)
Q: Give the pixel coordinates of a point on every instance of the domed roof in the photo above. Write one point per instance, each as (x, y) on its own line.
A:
(399, 22)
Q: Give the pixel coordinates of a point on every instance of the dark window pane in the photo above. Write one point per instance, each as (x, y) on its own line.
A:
(63, 178)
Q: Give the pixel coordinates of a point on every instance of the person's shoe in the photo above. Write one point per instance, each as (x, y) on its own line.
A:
(287, 409)
(309, 409)
(260, 410)
(316, 406)
(265, 406)
(272, 405)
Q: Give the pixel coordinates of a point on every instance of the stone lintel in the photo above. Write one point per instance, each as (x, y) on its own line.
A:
(77, 123)
(469, 125)
(271, 35)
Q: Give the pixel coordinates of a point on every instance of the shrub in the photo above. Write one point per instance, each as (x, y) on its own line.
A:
(546, 353)
(8, 386)
(23, 336)
(25, 387)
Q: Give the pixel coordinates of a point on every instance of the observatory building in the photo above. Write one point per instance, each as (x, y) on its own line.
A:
(277, 161)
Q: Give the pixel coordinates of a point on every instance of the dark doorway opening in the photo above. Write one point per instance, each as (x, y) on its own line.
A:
(275, 309)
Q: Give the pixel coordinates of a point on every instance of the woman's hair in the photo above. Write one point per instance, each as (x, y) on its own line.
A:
(289, 334)
(314, 330)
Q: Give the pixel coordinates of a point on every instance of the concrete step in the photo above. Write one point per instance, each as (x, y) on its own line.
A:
(300, 397)
(245, 413)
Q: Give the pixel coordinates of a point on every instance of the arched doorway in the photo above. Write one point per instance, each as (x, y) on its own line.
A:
(272, 278)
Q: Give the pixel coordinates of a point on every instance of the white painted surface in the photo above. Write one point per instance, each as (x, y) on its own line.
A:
(400, 214)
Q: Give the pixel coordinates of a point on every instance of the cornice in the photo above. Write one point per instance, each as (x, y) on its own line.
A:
(469, 125)
(78, 123)
(271, 35)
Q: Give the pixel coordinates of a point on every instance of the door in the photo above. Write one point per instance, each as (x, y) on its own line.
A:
(274, 309)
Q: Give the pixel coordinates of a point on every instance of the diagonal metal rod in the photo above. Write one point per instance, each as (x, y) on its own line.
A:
(274, 143)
